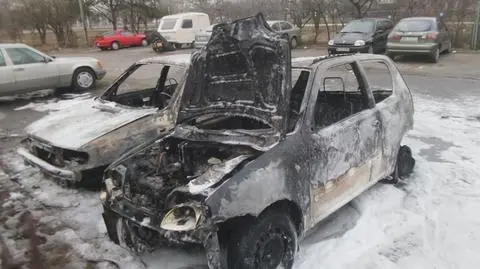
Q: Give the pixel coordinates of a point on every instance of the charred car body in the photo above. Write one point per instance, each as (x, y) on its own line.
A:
(76, 144)
(254, 163)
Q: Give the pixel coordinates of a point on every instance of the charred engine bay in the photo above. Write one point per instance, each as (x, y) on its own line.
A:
(156, 172)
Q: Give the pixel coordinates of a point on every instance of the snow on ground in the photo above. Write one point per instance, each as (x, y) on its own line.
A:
(430, 221)
(66, 101)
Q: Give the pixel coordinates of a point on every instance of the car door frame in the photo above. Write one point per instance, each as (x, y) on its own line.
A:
(47, 82)
(321, 186)
(8, 84)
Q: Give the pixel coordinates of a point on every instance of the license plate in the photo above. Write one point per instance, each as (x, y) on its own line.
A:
(409, 39)
(343, 49)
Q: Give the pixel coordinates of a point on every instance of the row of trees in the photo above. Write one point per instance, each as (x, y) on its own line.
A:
(59, 15)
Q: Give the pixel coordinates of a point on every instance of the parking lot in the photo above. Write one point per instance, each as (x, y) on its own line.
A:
(417, 217)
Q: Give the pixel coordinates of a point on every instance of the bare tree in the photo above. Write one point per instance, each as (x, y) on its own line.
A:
(362, 6)
(36, 12)
(109, 9)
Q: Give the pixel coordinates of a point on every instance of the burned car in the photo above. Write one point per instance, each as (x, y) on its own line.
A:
(76, 144)
(254, 163)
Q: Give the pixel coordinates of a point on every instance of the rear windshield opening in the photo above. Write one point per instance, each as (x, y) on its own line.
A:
(415, 26)
(216, 122)
(168, 24)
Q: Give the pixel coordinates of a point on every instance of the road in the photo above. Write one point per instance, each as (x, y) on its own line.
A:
(426, 222)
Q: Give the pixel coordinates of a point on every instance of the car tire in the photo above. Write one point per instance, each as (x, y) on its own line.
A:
(435, 55)
(294, 43)
(144, 42)
(271, 239)
(83, 79)
(403, 166)
(115, 45)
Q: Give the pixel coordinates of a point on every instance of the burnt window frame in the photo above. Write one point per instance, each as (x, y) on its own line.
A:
(187, 20)
(318, 75)
(390, 70)
(306, 97)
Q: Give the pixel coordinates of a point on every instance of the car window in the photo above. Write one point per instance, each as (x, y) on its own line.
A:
(21, 56)
(107, 34)
(286, 26)
(276, 26)
(340, 95)
(187, 24)
(415, 25)
(168, 24)
(2, 59)
(379, 79)
(125, 33)
(359, 26)
(146, 77)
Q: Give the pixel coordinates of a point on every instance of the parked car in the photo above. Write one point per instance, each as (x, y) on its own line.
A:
(25, 69)
(368, 35)
(420, 36)
(201, 39)
(119, 39)
(76, 144)
(180, 29)
(288, 29)
(254, 163)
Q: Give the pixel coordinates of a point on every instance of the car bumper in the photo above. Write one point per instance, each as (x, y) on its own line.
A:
(47, 168)
(348, 49)
(427, 48)
(100, 74)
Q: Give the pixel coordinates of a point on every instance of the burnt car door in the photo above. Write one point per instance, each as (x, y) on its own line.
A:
(394, 103)
(345, 137)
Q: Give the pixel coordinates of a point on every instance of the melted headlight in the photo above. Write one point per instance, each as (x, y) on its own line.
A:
(181, 218)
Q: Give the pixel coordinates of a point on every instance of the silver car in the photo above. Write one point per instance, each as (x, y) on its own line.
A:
(24, 69)
(285, 27)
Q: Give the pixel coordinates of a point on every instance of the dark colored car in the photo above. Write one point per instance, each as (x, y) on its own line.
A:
(419, 36)
(254, 163)
(364, 35)
(120, 39)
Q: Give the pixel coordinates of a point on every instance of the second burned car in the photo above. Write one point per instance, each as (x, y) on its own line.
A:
(76, 144)
(254, 163)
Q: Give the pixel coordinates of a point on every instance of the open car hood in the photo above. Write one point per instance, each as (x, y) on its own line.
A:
(244, 70)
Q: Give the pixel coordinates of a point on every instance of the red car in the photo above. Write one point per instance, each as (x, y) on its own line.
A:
(118, 39)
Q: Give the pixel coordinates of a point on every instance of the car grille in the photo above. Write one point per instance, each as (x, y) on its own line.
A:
(53, 155)
(343, 44)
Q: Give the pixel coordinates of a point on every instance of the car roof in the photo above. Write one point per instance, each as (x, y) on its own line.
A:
(419, 18)
(174, 59)
(12, 45)
(179, 15)
(340, 58)
(372, 19)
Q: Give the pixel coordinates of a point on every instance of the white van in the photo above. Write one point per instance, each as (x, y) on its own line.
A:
(180, 29)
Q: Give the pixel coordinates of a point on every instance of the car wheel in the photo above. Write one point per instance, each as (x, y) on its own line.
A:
(83, 79)
(294, 42)
(270, 242)
(144, 42)
(403, 167)
(115, 45)
(436, 55)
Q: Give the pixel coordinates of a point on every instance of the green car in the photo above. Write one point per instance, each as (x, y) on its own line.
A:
(419, 36)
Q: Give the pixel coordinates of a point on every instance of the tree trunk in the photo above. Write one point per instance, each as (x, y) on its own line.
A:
(326, 24)
(60, 36)
(42, 33)
(316, 23)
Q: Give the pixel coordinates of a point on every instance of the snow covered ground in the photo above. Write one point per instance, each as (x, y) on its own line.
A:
(430, 221)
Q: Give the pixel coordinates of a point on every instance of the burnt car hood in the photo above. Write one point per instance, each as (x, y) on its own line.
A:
(245, 70)
(78, 125)
(350, 38)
